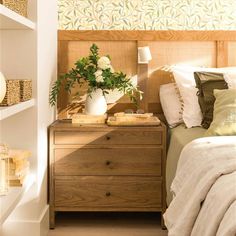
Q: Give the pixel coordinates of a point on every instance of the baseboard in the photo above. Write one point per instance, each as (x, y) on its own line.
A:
(38, 227)
(44, 222)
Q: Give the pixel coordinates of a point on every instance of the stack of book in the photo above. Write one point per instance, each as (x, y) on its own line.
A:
(81, 118)
(18, 167)
(126, 119)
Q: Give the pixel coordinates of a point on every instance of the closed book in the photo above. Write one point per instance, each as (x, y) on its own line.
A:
(88, 119)
(18, 155)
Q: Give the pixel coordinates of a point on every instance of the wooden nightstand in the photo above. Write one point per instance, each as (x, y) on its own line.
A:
(102, 168)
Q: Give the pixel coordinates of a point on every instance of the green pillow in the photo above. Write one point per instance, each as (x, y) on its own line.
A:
(224, 117)
(206, 82)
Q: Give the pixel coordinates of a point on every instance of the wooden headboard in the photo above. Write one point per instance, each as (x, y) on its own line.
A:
(198, 48)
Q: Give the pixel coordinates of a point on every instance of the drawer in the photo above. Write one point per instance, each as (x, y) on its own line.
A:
(123, 137)
(102, 191)
(109, 161)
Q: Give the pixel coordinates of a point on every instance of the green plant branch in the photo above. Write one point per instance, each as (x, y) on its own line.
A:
(84, 71)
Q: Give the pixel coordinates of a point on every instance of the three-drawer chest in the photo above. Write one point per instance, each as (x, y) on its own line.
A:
(102, 168)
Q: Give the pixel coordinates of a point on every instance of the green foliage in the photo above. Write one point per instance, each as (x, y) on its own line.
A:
(86, 70)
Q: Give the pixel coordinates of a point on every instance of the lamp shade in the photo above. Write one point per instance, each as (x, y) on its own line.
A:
(144, 55)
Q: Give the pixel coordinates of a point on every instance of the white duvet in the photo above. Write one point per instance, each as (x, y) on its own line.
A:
(204, 189)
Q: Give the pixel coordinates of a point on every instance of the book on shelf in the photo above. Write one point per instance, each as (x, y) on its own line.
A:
(18, 167)
(18, 155)
(17, 181)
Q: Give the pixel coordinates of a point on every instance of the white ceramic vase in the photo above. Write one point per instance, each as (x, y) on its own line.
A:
(95, 103)
(3, 87)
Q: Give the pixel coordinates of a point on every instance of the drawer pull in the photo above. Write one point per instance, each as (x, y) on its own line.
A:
(108, 163)
(108, 194)
(108, 137)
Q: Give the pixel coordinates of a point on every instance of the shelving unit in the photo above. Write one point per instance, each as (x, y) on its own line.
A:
(28, 49)
(10, 201)
(11, 20)
(8, 111)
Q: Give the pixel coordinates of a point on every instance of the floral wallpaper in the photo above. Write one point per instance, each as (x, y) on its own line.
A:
(147, 14)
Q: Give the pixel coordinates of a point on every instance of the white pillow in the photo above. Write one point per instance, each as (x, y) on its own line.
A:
(184, 78)
(230, 78)
(171, 105)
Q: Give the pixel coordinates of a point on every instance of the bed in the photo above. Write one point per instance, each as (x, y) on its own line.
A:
(204, 189)
(179, 137)
(201, 163)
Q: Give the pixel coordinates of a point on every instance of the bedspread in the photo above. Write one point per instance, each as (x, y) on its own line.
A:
(205, 189)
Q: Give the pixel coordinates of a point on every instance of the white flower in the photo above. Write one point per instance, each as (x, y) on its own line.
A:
(98, 73)
(99, 77)
(104, 63)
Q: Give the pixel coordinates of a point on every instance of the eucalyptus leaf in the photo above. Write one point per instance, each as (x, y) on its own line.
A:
(85, 72)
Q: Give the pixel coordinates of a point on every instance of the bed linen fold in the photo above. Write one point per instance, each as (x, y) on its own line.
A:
(204, 165)
(227, 226)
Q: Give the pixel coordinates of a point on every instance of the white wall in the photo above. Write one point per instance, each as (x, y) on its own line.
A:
(47, 69)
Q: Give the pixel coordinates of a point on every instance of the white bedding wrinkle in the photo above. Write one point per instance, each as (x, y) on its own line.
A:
(215, 206)
(204, 164)
(227, 226)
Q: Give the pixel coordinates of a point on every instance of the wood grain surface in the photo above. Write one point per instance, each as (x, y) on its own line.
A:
(108, 138)
(222, 54)
(91, 171)
(113, 191)
(197, 48)
(146, 35)
(108, 161)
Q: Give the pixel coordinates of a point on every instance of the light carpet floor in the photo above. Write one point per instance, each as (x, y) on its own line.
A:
(108, 224)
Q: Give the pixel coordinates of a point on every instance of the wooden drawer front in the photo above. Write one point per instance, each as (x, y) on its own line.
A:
(114, 137)
(91, 191)
(117, 161)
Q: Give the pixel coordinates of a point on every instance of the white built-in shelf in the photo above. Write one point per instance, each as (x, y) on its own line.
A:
(9, 202)
(11, 20)
(14, 109)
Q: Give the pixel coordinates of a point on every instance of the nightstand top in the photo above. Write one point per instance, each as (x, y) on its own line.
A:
(67, 124)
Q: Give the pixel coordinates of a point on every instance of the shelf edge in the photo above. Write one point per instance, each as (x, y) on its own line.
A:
(6, 112)
(20, 21)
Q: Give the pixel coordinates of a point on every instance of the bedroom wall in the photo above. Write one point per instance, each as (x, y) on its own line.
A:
(148, 14)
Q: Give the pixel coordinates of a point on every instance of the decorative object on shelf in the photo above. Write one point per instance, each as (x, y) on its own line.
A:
(4, 159)
(88, 119)
(18, 6)
(25, 90)
(12, 93)
(133, 119)
(3, 87)
(18, 167)
(101, 78)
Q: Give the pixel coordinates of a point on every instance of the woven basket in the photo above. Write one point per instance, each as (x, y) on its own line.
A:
(18, 6)
(13, 93)
(25, 90)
